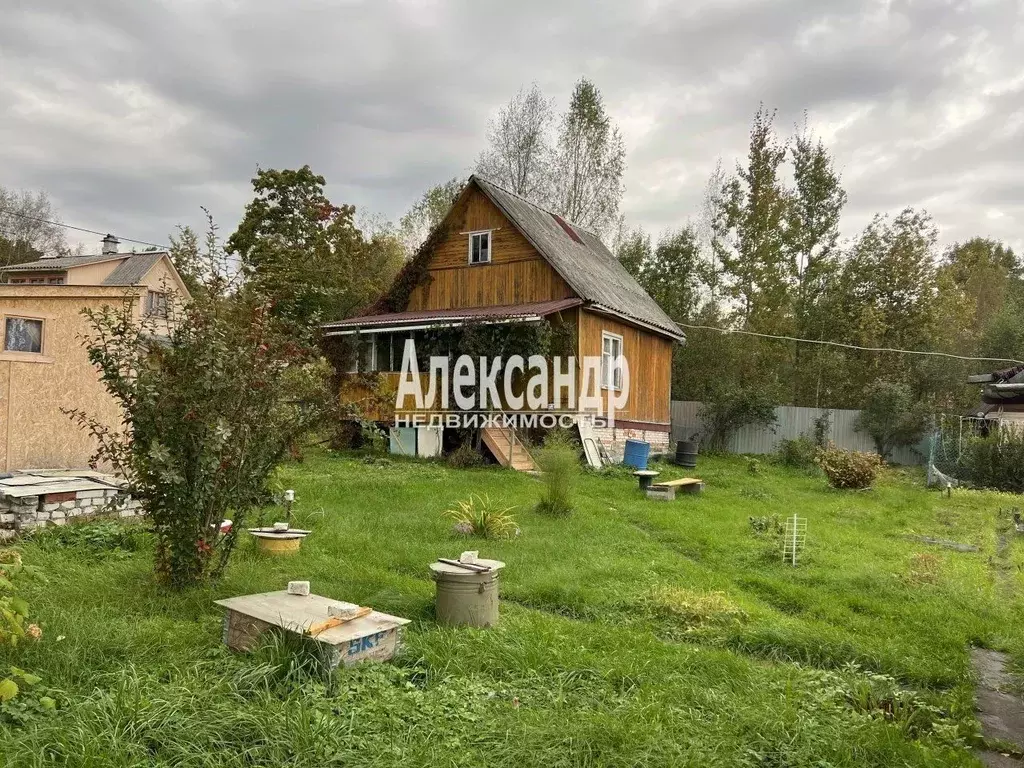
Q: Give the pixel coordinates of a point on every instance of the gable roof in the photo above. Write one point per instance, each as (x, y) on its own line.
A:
(582, 261)
(133, 269)
(61, 263)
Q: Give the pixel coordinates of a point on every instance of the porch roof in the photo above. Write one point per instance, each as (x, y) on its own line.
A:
(429, 317)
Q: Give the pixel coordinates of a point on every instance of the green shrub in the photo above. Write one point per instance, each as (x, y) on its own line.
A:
(770, 526)
(848, 469)
(14, 628)
(465, 456)
(724, 413)
(892, 416)
(559, 465)
(996, 461)
(798, 453)
(479, 516)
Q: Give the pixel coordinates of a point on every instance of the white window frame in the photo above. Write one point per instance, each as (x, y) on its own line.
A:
(355, 366)
(490, 246)
(611, 375)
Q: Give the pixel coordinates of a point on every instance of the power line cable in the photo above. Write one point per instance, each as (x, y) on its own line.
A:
(83, 229)
(853, 346)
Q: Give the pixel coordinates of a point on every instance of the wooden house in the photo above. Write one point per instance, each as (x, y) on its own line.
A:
(499, 258)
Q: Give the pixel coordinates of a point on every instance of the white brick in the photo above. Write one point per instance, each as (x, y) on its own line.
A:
(51, 506)
(67, 505)
(57, 514)
(91, 494)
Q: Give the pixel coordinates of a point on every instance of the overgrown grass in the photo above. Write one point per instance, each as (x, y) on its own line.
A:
(633, 632)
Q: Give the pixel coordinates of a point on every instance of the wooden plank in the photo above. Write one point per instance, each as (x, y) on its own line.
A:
(681, 482)
(41, 489)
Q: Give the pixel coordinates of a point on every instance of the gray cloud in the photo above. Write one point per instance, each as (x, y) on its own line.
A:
(132, 115)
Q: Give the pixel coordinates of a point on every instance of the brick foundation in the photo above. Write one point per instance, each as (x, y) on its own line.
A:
(27, 512)
(614, 440)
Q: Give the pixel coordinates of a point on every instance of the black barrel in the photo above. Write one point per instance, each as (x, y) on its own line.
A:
(686, 454)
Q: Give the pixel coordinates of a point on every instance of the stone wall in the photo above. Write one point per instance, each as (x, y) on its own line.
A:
(26, 512)
(614, 440)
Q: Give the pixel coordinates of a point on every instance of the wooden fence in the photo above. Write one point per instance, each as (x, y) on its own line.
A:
(791, 422)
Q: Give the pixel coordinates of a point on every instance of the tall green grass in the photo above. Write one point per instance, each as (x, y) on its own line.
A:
(633, 632)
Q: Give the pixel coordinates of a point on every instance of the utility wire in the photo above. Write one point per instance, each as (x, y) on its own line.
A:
(96, 232)
(83, 229)
(853, 346)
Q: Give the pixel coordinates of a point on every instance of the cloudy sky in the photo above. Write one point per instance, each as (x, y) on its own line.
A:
(131, 114)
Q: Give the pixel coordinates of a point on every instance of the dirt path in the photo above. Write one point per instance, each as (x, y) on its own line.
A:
(1001, 713)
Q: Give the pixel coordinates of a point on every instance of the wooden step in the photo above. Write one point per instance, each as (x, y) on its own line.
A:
(508, 449)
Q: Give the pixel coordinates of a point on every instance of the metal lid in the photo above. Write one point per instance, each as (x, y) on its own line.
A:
(456, 573)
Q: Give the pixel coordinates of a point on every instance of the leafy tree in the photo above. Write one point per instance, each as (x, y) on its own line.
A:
(633, 250)
(590, 158)
(891, 416)
(306, 254)
(518, 149)
(731, 407)
(749, 237)
(209, 411)
(574, 170)
(26, 233)
(812, 233)
(670, 274)
(428, 212)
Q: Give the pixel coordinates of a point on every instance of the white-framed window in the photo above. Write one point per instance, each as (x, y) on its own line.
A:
(364, 357)
(156, 304)
(23, 334)
(611, 354)
(480, 247)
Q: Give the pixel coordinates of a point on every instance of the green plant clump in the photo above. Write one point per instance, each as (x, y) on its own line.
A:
(465, 456)
(997, 461)
(848, 469)
(479, 516)
(559, 465)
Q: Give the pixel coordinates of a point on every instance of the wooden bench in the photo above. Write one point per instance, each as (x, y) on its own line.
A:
(685, 484)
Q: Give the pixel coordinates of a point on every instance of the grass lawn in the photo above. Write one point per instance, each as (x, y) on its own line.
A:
(633, 633)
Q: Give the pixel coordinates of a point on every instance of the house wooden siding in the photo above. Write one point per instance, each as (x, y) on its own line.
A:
(650, 365)
(516, 274)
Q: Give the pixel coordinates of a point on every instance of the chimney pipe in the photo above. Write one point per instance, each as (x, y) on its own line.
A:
(110, 244)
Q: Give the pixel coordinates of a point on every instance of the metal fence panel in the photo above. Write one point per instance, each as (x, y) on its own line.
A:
(791, 422)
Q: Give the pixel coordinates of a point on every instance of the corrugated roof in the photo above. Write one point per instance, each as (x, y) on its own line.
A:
(132, 270)
(584, 263)
(507, 311)
(64, 262)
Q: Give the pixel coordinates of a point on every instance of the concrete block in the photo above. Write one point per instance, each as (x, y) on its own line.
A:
(67, 505)
(661, 493)
(50, 506)
(57, 514)
(7, 518)
(91, 494)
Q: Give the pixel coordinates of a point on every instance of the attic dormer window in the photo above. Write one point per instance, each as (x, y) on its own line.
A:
(480, 247)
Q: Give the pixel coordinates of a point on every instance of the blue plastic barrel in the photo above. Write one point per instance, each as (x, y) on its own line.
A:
(636, 454)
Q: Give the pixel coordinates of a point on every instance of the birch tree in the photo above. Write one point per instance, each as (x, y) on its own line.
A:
(518, 151)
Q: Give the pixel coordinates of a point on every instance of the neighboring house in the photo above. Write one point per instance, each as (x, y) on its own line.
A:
(499, 258)
(44, 367)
